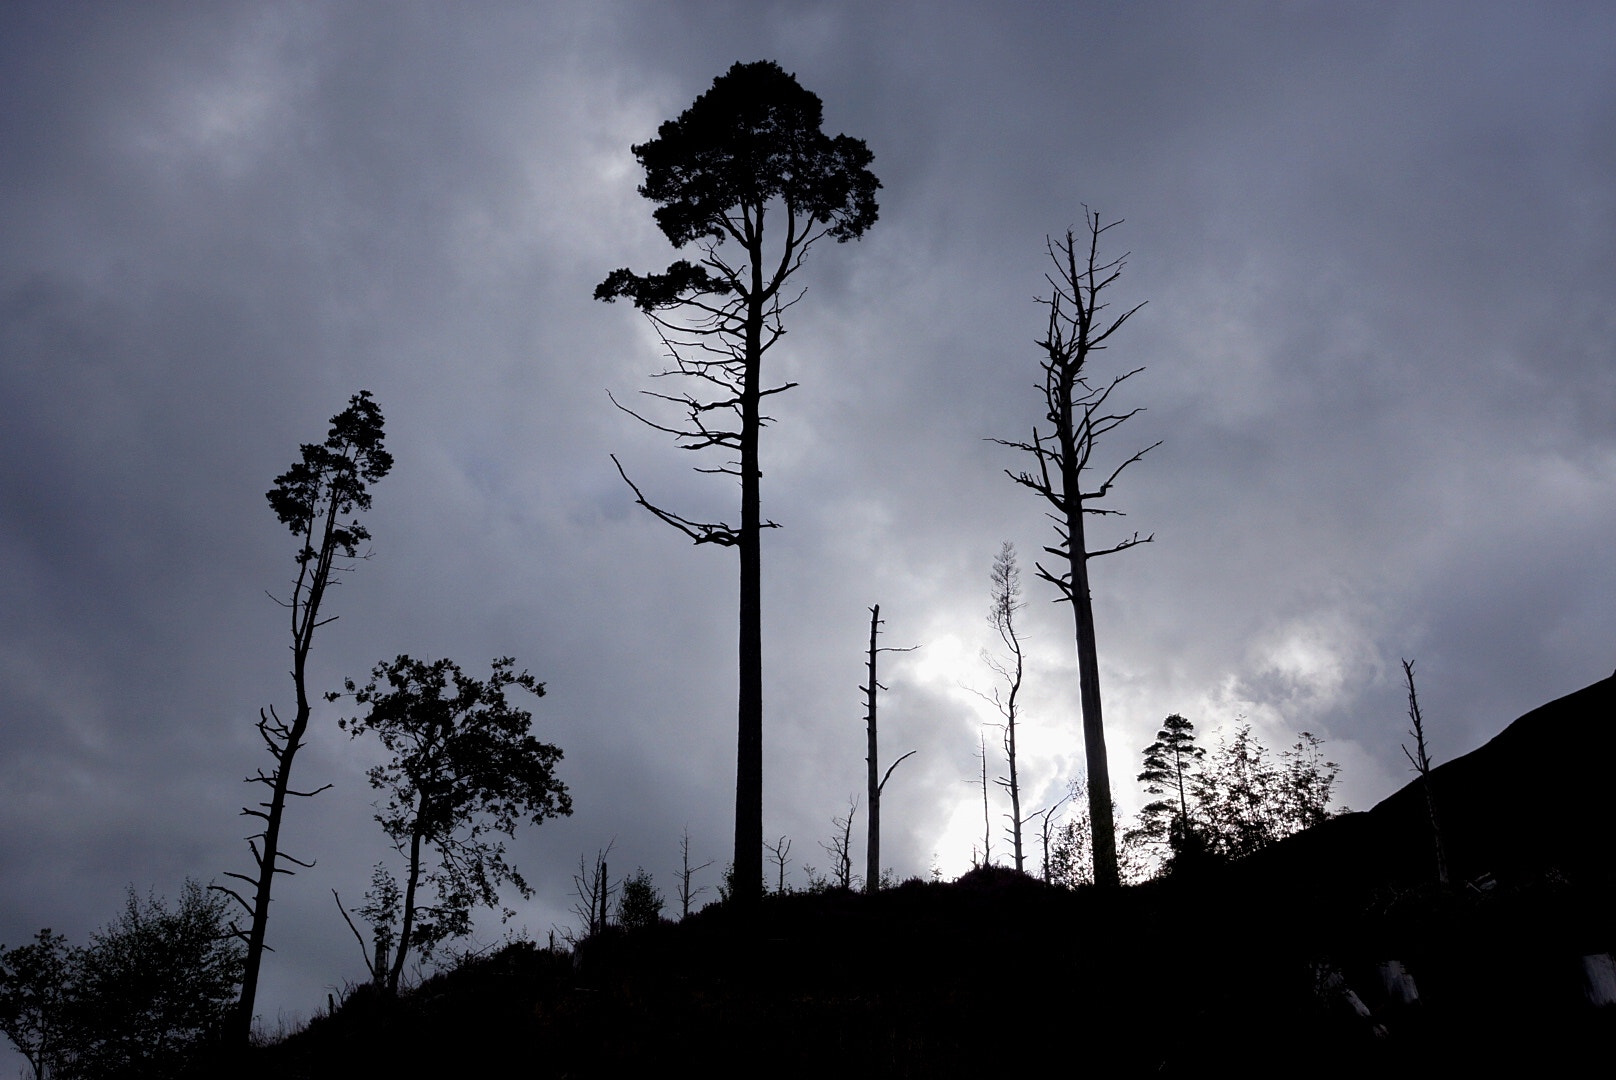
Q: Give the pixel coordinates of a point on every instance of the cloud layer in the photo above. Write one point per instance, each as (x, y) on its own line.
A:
(1375, 246)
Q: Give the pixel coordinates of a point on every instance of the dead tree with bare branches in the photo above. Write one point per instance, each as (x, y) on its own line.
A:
(1046, 829)
(779, 852)
(1079, 410)
(1006, 601)
(1421, 761)
(840, 848)
(686, 871)
(872, 855)
(592, 885)
(987, 815)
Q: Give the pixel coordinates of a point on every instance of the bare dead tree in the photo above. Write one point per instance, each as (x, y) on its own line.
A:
(1006, 601)
(872, 860)
(1046, 829)
(840, 846)
(1080, 413)
(778, 852)
(686, 871)
(1421, 761)
(592, 885)
(987, 816)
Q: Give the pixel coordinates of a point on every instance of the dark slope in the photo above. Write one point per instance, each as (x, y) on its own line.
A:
(999, 973)
(1523, 806)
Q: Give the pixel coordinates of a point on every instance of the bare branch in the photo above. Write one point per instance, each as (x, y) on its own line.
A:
(363, 951)
(1123, 546)
(699, 532)
(1077, 408)
(882, 786)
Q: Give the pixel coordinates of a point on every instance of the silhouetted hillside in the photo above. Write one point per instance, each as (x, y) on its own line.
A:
(1245, 967)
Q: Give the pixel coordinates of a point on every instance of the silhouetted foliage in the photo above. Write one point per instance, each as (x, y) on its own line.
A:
(464, 766)
(1234, 802)
(749, 148)
(1307, 782)
(37, 983)
(311, 499)
(1239, 961)
(1239, 795)
(140, 1000)
(1172, 768)
(380, 911)
(1071, 851)
(639, 904)
(1076, 407)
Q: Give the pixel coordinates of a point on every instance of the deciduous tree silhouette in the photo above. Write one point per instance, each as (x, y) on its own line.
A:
(38, 983)
(380, 912)
(329, 483)
(639, 904)
(140, 1001)
(464, 765)
(1241, 801)
(748, 151)
(1080, 414)
(872, 862)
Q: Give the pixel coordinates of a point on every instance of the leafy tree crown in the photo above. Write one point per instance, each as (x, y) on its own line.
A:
(460, 751)
(753, 137)
(463, 765)
(332, 477)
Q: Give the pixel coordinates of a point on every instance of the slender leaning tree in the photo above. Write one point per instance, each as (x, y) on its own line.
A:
(1078, 410)
(311, 499)
(746, 176)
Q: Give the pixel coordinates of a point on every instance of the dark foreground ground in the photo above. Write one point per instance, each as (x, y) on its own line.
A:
(1266, 967)
(995, 974)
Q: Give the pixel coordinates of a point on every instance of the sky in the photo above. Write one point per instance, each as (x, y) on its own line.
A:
(1374, 246)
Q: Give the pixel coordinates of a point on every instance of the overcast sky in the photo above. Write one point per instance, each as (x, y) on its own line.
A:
(1376, 245)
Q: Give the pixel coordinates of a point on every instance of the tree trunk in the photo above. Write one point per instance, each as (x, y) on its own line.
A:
(1015, 791)
(253, 961)
(1103, 829)
(749, 719)
(872, 860)
(407, 924)
(305, 618)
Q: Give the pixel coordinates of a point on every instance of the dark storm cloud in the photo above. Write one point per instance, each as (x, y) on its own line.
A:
(1375, 246)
